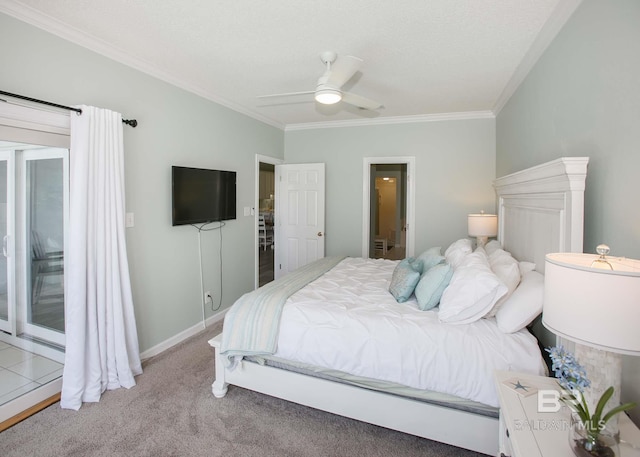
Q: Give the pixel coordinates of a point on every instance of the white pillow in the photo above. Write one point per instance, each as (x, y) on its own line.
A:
(472, 292)
(507, 270)
(457, 251)
(491, 246)
(524, 305)
(526, 267)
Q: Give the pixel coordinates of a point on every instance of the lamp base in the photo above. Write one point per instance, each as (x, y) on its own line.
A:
(481, 241)
(604, 370)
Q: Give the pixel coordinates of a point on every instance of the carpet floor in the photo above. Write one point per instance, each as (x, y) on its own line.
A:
(171, 412)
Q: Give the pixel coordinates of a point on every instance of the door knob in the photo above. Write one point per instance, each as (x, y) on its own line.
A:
(319, 233)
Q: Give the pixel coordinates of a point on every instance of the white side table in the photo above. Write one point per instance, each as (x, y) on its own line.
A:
(526, 432)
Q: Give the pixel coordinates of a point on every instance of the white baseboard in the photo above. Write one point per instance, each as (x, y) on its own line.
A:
(180, 337)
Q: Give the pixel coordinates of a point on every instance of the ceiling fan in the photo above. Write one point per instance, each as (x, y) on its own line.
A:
(329, 88)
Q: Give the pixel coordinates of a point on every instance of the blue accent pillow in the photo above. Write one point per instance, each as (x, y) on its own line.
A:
(429, 258)
(432, 284)
(403, 281)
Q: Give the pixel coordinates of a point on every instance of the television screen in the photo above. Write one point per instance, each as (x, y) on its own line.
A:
(201, 195)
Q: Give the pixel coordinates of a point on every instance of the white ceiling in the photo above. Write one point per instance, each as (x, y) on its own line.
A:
(422, 58)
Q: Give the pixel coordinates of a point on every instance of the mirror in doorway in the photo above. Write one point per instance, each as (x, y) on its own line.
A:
(388, 209)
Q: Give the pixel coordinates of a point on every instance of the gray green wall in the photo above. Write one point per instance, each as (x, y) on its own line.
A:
(582, 98)
(455, 168)
(175, 128)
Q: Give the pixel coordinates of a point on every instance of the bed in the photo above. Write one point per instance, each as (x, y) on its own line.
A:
(540, 210)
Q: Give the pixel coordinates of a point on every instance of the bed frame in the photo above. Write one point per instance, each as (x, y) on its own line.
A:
(540, 211)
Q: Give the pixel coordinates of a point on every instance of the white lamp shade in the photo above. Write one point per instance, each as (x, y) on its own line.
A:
(482, 225)
(592, 306)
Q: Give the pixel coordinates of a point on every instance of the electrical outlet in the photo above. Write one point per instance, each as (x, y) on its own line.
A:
(208, 298)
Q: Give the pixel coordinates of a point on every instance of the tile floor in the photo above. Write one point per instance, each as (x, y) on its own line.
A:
(22, 371)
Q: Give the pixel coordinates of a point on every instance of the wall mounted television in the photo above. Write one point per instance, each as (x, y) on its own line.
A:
(201, 195)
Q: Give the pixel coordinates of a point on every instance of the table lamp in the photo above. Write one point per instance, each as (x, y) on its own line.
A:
(594, 301)
(482, 226)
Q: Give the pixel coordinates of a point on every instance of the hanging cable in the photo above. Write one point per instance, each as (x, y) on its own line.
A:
(204, 318)
(219, 227)
(204, 303)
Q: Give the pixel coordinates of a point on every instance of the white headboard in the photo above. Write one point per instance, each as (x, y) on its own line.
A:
(541, 209)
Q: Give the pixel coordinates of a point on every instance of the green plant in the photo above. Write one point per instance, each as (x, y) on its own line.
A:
(573, 379)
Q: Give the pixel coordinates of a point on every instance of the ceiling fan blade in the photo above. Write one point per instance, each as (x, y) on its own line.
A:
(286, 94)
(343, 70)
(360, 101)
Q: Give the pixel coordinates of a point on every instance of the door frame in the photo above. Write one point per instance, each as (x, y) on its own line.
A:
(9, 244)
(410, 162)
(256, 209)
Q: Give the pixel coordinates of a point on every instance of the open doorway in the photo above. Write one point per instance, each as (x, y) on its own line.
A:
(388, 203)
(266, 222)
(388, 211)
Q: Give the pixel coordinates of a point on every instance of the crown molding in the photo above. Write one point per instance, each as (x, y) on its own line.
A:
(469, 115)
(559, 175)
(564, 10)
(66, 32)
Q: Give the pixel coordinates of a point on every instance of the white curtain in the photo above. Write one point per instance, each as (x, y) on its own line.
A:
(101, 338)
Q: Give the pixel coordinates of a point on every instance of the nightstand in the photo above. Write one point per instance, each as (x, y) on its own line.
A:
(526, 432)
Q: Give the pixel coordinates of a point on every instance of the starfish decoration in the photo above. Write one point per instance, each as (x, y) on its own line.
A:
(518, 386)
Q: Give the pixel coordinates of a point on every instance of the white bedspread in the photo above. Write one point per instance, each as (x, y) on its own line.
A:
(347, 320)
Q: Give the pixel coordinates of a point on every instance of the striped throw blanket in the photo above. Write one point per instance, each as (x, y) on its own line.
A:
(251, 325)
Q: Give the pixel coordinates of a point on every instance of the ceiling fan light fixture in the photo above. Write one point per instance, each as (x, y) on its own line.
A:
(328, 96)
(329, 87)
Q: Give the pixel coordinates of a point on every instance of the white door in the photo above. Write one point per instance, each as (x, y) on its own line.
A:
(299, 220)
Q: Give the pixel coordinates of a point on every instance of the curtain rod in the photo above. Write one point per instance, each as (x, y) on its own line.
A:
(130, 122)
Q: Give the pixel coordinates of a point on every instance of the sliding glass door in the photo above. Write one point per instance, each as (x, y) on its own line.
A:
(45, 195)
(34, 192)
